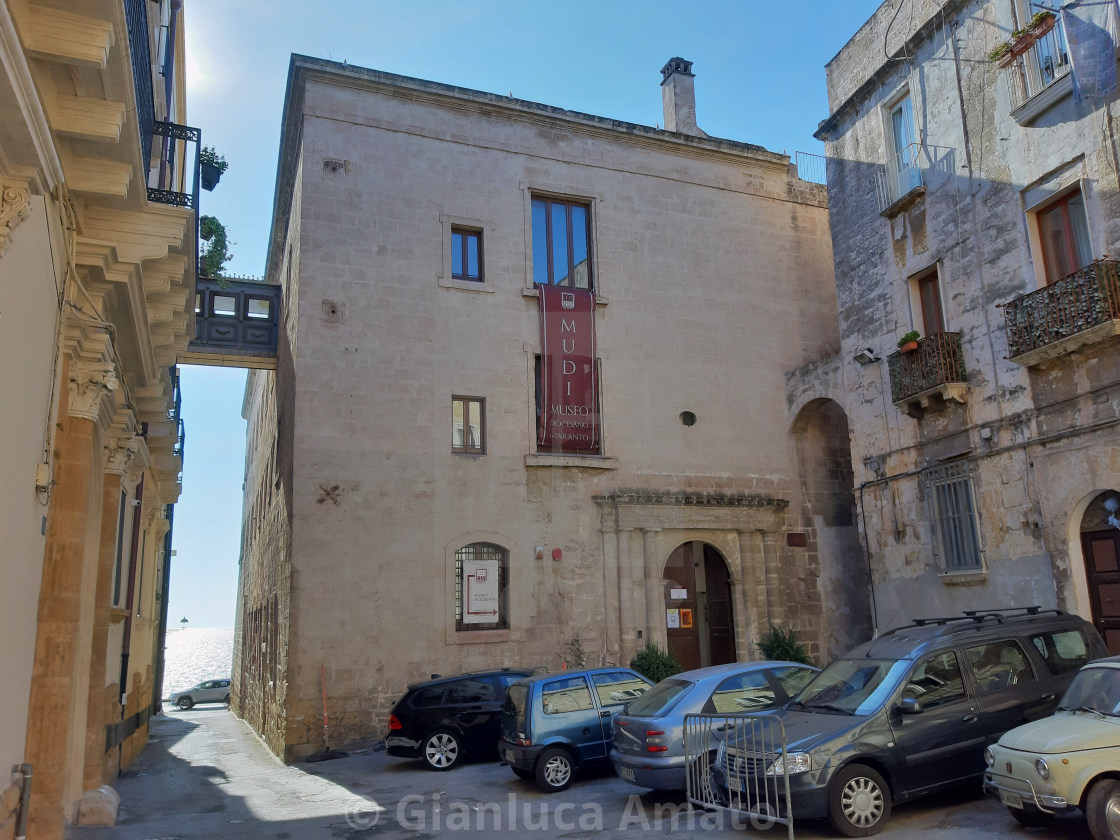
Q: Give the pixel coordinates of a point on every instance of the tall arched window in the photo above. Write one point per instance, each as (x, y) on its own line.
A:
(481, 587)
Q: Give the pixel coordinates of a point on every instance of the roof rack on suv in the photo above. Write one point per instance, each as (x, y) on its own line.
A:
(975, 618)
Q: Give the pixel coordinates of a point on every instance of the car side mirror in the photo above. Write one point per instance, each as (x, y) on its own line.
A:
(910, 706)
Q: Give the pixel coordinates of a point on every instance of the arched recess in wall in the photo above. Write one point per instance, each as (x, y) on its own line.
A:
(1099, 540)
(824, 463)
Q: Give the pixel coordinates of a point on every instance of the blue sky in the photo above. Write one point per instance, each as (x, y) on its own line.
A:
(759, 79)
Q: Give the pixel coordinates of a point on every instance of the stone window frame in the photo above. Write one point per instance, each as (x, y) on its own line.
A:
(575, 195)
(450, 224)
(951, 506)
(503, 557)
(917, 304)
(465, 448)
(1044, 193)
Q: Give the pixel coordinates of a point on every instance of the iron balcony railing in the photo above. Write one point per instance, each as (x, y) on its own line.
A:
(914, 167)
(1083, 300)
(173, 173)
(937, 361)
(1039, 66)
(136, 17)
(810, 167)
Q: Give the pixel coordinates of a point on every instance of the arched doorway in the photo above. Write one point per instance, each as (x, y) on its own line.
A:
(700, 627)
(1100, 544)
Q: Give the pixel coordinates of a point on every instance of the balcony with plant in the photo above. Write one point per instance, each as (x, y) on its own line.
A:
(928, 376)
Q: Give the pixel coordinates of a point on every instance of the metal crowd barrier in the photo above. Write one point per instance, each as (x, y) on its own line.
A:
(739, 784)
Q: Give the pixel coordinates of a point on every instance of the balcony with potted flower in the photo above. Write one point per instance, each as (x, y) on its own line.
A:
(1081, 309)
(927, 373)
(1036, 63)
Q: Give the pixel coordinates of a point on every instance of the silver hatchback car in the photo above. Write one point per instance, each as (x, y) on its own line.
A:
(648, 735)
(207, 691)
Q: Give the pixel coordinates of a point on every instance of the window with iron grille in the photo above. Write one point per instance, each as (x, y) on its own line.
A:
(952, 514)
(481, 587)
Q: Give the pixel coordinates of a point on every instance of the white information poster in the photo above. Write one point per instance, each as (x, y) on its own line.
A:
(480, 585)
(673, 619)
(678, 594)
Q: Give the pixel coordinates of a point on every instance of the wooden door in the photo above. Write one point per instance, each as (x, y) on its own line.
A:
(680, 580)
(1102, 571)
(720, 618)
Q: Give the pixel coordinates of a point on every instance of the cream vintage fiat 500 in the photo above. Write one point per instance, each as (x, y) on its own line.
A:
(1068, 760)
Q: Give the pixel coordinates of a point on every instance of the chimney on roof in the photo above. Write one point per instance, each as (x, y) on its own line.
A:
(678, 96)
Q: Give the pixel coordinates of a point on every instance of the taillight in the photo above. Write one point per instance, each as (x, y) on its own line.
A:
(655, 748)
(394, 723)
(524, 742)
(655, 732)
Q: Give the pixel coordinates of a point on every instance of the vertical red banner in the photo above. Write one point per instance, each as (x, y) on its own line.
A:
(569, 396)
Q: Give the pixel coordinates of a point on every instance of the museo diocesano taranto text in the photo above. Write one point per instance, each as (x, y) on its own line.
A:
(569, 397)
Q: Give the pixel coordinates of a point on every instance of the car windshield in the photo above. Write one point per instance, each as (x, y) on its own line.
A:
(853, 686)
(1094, 689)
(660, 699)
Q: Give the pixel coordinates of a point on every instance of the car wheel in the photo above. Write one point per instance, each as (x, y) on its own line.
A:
(522, 774)
(184, 703)
(442, 750)
(859, 801)
(554, 770)
(1030, 817)
(1102, 808)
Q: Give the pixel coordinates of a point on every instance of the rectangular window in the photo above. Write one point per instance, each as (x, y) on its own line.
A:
(952, 514)
(467, 430)
(561, 243)
(929, 297)
(566, 695)
(999, 665)
(466, 254)
(1063, 231)
(906, 169)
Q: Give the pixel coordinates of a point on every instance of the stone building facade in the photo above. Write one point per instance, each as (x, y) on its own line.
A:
(974, 199)
(403, 513)
(97, 263)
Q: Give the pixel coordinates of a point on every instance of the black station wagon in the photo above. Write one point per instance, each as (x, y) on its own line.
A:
(445, 718)
(912, 711)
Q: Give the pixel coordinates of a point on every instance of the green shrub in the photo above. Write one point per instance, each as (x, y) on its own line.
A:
(782, 645)
(654, 663)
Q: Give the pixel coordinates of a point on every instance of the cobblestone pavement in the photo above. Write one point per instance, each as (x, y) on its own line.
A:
(204, 774)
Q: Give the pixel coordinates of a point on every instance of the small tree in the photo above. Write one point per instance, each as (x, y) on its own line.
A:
(654, 663)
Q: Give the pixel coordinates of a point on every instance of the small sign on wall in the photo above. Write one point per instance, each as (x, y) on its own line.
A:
(678, 594)
(686, 619)
(673, 619)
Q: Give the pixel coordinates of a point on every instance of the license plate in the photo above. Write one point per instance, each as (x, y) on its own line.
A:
(1011, 800)
(735, 784)
(626, 773)
(508, 754)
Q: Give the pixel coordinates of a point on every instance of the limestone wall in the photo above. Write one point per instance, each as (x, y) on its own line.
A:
(1037, 439)
(713, 270)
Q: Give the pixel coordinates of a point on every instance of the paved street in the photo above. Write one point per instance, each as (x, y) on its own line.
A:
(205, 775)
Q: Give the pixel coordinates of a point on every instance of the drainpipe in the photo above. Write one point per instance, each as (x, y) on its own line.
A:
(24, 771)
(138, 506)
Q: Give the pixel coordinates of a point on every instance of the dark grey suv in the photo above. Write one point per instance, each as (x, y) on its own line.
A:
(911, 712)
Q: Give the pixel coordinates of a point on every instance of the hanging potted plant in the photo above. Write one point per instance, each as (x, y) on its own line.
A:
(909, 342)
(211, 165)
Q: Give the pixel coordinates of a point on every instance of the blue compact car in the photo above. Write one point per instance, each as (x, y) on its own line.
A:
(553, 724)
